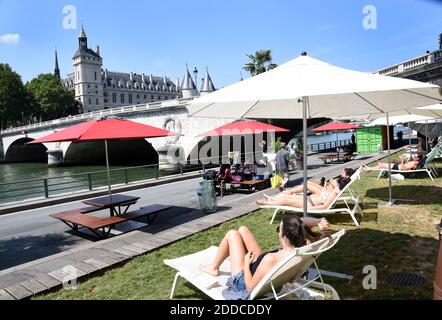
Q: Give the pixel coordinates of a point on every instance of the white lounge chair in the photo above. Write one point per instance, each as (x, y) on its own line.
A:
(289, 270)
(348, 197)
(428, 166)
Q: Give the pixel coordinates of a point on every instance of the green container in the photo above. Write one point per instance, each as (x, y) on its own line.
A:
(369, 139)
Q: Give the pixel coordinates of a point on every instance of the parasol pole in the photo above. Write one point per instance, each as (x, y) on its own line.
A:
(390, 193)
(108, 169)
(304, 125)
(409, 138)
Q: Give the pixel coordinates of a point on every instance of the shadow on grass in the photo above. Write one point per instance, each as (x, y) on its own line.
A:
(421, 195)
(389, 253)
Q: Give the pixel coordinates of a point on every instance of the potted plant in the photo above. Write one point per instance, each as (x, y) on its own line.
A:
(299, 155)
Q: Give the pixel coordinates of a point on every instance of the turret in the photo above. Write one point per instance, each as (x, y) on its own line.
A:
(188, 87)
(207, 86)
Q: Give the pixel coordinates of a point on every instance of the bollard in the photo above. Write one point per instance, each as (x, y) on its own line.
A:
(46, 188)
(438, 276)
(89, 181)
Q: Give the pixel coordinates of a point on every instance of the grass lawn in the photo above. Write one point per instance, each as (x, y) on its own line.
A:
(399, 239)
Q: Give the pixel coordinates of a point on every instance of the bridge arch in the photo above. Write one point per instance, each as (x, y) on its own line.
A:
(127, 152)
(20, 151)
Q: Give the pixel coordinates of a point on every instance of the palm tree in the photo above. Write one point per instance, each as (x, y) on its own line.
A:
(260, 62)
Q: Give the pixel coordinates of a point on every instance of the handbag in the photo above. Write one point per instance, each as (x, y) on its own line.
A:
(276, 181)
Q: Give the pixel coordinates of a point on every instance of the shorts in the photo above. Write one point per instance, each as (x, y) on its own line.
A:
(395, 167)
(239, 282)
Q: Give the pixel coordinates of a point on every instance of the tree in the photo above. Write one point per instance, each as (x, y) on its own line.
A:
(13, 97)
(260, 62)
(51, 97)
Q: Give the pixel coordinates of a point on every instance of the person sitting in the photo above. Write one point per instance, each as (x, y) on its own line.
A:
(249, 263)
(238, 173)
(413, 164)
(317, 188)
(317, 201)
(224, 176)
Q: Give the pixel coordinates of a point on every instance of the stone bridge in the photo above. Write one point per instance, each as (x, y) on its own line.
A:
(170, 115)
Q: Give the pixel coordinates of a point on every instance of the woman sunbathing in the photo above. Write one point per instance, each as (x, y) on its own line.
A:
(316, 201)
(249, 264)
(404, 165)
(316, 188)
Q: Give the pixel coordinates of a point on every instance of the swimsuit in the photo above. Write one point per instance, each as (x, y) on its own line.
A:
(254, 266)
(324, 196)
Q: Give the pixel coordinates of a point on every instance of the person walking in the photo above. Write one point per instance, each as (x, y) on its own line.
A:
(282, 165)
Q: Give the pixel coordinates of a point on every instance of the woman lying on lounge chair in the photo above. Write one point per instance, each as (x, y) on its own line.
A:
(413, 164)
(249, 264)
(316, 188)
(316, 201)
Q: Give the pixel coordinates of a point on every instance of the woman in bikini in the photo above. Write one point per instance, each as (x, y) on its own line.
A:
(316, 201)
(316, 188)
(404, 165)
(249, 264)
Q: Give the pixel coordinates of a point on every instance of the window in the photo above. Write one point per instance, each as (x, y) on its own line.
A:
(130, 98)
(138, 96)
(152, 97)
(114, 97)
(96, 101)
(145, 97)
(90, 101)
(159, 97)
(105, 94)
(95, 76)
(105, 101)
(122, 97)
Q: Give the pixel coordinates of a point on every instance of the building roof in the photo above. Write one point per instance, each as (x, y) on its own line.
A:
(207, 83)
(126, 77)
(188, 83)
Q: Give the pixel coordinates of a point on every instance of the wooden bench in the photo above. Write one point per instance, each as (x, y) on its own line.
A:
(250, 184)
(102, 226)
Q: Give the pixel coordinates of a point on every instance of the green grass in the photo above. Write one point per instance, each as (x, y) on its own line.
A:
(400, 239)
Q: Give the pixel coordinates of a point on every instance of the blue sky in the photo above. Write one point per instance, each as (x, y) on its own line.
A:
(159, 37)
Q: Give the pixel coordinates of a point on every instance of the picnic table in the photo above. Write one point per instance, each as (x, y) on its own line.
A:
(336, 157)
(117, 204)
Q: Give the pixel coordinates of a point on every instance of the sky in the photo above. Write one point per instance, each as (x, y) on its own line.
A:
(160, 37)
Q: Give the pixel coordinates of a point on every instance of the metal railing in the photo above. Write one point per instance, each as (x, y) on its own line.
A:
(325, 146)
(47, 187)
(15, 191)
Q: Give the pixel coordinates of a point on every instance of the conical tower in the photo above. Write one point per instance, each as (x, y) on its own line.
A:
(188, 87)
(207, 86)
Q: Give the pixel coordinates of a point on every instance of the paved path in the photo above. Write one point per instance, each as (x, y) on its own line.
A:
(36, 247)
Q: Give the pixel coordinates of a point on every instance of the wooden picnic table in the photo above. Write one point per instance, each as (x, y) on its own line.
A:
(118, 204)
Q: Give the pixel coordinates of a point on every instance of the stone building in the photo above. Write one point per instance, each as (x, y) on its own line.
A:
(96, 88)
(425, 68)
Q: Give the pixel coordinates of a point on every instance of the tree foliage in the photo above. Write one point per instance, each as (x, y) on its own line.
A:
(260, 62)
(14, 98)
(51, 97)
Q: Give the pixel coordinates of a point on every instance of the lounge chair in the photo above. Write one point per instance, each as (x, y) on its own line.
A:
(347, 197)
(291, 269)
(427, 166)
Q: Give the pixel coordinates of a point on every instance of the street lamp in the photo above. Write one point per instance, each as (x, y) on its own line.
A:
(195, 73)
